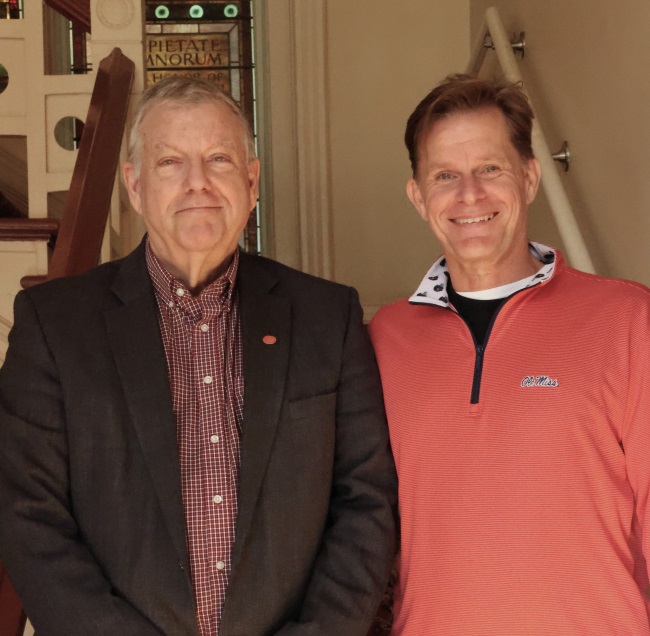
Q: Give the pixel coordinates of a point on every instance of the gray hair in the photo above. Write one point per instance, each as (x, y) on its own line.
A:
(178, 90)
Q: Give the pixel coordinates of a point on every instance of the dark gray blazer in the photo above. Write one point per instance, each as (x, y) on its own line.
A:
(92, 529)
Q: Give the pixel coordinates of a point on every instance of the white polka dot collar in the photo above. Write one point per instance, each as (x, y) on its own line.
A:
(433, 288)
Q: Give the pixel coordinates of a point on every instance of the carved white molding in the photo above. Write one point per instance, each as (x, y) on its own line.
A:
(115, 14)
(291, 92)
(280, 222)
(311, 136)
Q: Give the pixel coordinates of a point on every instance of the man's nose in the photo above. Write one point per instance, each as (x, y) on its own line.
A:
(470, 189)
(196, 176)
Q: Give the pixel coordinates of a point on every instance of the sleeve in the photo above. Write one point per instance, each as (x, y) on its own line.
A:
(358, 549)
(636, 429)
(62, 587)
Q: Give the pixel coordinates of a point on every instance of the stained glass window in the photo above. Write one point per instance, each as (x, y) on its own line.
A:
(11, 9)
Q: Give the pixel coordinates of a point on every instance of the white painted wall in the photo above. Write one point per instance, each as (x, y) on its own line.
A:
(586, 68)
(382, 59)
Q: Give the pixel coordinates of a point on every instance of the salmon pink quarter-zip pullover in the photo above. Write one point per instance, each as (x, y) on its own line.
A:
(523, 462)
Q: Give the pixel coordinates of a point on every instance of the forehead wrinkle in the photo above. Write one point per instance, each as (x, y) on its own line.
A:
(162, 145)
(224, 135)
(459, 152)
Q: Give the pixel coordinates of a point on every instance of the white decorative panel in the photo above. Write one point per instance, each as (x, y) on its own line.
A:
(18, 259)
(60, 160)
(117, 19)
(13, 100)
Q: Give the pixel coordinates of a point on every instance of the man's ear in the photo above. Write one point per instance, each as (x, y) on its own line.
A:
(415, 196)
(254, 180)
(132, 183)
(533, 175)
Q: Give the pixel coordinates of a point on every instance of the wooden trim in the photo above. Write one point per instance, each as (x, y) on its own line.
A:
(29, 281)
(28, 229)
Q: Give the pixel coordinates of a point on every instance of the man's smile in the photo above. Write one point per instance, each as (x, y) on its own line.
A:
(476, 219)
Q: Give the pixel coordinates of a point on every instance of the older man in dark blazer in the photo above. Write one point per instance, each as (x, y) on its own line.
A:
(192, 439)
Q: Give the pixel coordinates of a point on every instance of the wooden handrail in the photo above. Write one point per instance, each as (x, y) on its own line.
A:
(88, 202)
(28, 229)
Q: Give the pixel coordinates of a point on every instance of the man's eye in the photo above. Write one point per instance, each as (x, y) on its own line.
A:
(444, 176)
(491, 168)
(167, 162)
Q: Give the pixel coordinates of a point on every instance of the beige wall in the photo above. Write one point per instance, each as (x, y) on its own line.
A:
(586, 68)
(382, 58)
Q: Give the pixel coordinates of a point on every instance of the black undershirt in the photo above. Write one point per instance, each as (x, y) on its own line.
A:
(476, 313)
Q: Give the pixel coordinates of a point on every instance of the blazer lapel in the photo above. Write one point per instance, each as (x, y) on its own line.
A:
(140, 358)
(266, 333)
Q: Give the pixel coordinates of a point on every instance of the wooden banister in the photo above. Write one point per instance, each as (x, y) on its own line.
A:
(88, 202)
(28, 229)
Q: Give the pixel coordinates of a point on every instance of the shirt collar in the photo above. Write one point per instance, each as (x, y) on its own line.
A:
(433, 288)
(171, 292)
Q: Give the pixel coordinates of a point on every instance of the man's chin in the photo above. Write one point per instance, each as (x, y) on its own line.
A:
(475, 249)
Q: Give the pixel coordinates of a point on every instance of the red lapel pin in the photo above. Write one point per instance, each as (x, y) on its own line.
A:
(269, 340)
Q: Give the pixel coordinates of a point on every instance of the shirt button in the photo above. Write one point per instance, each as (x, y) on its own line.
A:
(204, 327)
(180, 292)
(217, 499)
(214, 439)
(207, 379)
(220, 565)
(171, 304)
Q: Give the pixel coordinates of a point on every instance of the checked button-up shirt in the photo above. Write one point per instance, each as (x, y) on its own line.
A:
(202, 340)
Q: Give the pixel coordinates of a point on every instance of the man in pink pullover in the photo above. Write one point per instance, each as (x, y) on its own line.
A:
(518, 399)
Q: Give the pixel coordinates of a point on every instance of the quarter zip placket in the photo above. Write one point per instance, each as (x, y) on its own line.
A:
(478, 372)
(481, 347)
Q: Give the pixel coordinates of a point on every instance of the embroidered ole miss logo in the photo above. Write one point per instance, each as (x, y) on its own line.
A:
(539, 380)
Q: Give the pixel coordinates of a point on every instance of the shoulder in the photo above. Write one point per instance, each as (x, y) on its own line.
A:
(102, 275)
(602, 289)
(392, 311)
(79, 295)
(389, 317)
(598, 302)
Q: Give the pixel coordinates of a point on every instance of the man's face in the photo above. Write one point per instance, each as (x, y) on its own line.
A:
(474, 189)
(196, 188)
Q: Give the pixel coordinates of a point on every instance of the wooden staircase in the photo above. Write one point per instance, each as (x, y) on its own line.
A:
(78, 237)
